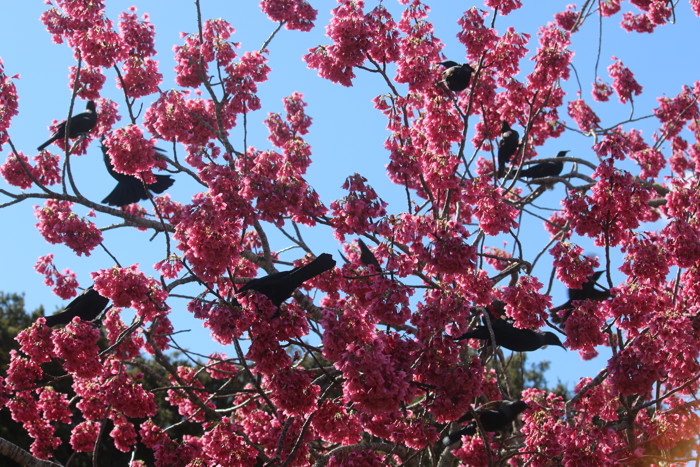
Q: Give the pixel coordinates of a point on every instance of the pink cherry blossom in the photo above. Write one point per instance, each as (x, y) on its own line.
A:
(129, 287)
(17, 171)
(76, 345)
(504, 6)
(58, 224)
(583, 115)
(572, 269)
(8, 102)
(364, 365)
(624, 83)
(137, 34)
(35, 342)
(296, 14)
(225, 446)
(131, 153)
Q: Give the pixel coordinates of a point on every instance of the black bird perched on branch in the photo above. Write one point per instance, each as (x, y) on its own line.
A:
(80, 124)
(544, 169)
(366, 256)
(456, 77)
(512, 338)
(130, 189)
(493, 416)
(507, 147)
(88, 305)
(586, 292)
(279, 286)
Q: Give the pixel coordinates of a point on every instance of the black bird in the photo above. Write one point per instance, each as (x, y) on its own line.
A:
(586, 292)
(279, 286)
(130, 189)
(80, 124)
(456, 77)
(493, 416)
(366, 256)
(88, 305)
(507, 147)
(512, 338)
(544, 169)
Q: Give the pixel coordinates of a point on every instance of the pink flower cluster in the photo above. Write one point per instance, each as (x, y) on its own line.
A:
(224, 445)
(140, 76)
(209, 237)
(355, 36)
(172, 118)
(26, 409)
(350, 33)
(241, 82)
(292, 392)
(583, 115)
(36, 343)
(18, 172)
(617, 204)
(572, 269)
(8, 103)
(131, 153)
(355, 212)
(130, 345)
(89, 83)
(335, 424)
(130, 288)
(601, 91)
(388, 372)
(675, 112)
(624, 83)
(552, 58)
(418, 49)
(583, 328)
(64, 284)
(525, 304)
(504, 6)
(493, 211)
(86, 28)
(296, 14)
(76, 344)
(656, 13)
(179, 398)
(58, 224)
(647, 259)
(377, 377)
(567, 19)
(476, 37)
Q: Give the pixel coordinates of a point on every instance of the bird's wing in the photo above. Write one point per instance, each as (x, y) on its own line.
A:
(479, 332)
(163, 182)
(129, 190)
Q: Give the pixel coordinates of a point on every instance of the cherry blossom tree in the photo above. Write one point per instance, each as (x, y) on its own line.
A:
(360, 367)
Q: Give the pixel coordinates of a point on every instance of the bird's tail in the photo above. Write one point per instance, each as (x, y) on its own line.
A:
(468, 430)
(49, 141)
(501, 170)
(163, 182)
(129, 190)
(466, 335)
(318, 266)
(53, 320)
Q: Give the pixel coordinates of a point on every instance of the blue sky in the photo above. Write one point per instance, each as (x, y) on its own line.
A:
(347, 134)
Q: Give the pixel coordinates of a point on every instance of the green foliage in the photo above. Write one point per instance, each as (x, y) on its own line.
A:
(532, 376)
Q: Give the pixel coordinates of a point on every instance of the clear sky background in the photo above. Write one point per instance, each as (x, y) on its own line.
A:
(347, 134)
